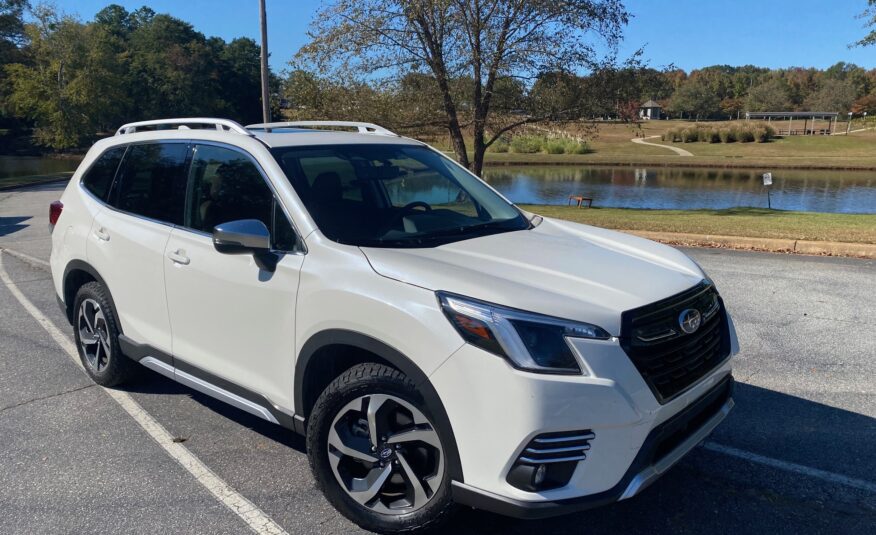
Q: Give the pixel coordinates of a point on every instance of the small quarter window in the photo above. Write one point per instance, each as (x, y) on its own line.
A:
(100, 175)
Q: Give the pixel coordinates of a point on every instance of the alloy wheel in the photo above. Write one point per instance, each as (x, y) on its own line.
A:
(386, 454)
(93, 335)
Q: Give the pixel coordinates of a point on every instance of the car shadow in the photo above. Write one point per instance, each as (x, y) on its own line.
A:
(11, 225)
(708, 491)
(152, 383)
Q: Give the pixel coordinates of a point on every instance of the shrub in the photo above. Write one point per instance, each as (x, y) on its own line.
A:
(500, 145)
(577, 147)
(526, 144)
(555, 146)
(702, 135)
(745, 134)
(713, 136)
(689, 135)
(761, 135)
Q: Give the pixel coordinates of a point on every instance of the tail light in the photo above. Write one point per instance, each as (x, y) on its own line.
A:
(54, 213)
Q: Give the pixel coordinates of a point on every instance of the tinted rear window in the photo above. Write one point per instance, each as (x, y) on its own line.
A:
(99, 177)
(152, 182)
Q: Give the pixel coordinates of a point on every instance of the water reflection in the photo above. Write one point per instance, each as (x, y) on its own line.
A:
(630, 187)
(11, 166)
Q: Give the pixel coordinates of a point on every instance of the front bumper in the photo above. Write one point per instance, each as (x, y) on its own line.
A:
(664, 446)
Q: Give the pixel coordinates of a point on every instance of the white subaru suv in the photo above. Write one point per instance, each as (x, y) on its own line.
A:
(436, 344)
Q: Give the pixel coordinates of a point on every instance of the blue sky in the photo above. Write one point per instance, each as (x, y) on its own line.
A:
(686, 33)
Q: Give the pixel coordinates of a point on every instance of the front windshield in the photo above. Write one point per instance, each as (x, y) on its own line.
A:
(394, 195)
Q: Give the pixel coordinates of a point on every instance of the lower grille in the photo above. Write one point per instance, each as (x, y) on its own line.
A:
(549, 460)
(557, 447)
(669, 359)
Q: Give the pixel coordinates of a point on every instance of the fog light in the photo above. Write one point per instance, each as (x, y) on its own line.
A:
(540, 473)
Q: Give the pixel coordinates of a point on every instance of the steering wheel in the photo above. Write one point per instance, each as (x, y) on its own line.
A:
(405, 210)
(416, 204)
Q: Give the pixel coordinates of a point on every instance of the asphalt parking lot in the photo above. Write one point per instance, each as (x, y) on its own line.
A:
(797, 454)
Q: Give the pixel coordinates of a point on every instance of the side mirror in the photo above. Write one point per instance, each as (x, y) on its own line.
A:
(246, 236)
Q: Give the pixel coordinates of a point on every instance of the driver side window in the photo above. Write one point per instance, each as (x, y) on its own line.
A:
(225, 185)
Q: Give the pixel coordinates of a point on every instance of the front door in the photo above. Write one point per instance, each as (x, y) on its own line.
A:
(228, 317)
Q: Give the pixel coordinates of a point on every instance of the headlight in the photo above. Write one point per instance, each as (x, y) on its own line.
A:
(529, 341)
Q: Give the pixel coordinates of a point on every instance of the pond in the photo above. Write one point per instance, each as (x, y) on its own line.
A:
(12, 166)
(688, 188)
(631, 187)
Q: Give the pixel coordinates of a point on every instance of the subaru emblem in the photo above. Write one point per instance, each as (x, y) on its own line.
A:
(689, 320)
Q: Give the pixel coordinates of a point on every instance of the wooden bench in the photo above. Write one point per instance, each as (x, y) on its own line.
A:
(580, 200)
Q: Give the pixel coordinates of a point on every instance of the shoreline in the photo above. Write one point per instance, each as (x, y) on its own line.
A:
(686, 164)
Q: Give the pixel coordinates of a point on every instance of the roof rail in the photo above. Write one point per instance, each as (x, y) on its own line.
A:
(220, 124)
(362, 128)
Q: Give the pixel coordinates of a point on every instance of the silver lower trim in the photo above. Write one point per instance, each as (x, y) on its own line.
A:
(653, 472)
(208, 388)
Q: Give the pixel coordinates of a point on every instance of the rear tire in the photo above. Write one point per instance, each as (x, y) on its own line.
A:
(96, 330)
(401, 484)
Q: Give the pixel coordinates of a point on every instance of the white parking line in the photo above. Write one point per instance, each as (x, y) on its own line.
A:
(792, 467)
(254, 517)
(26, 257)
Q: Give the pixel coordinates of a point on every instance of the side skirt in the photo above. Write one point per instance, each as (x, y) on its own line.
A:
(206, 383)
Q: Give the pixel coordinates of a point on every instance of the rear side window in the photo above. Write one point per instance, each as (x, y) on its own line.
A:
(99, 177)
(152, 182)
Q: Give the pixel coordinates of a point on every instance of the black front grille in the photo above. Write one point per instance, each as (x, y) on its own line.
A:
(669, 359)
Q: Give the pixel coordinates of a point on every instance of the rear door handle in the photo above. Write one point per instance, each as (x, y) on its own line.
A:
(101, 234)
(179, 257)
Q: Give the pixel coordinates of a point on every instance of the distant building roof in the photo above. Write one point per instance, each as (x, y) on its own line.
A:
(650, 104)
(791, 114)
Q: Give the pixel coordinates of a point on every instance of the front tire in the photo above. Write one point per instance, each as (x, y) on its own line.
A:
(97, 337)
(375, 454)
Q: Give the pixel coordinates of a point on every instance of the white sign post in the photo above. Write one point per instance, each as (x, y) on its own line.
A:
(767, 182)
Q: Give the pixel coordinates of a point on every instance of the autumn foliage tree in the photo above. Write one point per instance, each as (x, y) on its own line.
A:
(478, 40)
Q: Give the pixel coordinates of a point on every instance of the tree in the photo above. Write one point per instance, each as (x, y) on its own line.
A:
(771, 95)
(696, 98)
(868, 15)
(834, 95)
(71, 82)
(479, 40)
(12, 37)
(11, 29)
(240, 88)
(866, 103)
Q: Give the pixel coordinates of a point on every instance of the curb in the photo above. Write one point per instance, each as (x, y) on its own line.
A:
(773, 245)
(59, 178)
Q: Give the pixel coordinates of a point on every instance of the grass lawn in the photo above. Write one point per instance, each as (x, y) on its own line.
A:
(749, 222)
(612, 145)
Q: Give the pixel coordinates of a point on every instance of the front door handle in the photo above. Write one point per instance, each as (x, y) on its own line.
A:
(101, 234)
(179, 257)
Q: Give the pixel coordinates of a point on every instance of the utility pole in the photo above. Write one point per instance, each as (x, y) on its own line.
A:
(266, 101)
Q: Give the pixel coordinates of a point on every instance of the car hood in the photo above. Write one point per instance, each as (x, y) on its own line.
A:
(557, 268)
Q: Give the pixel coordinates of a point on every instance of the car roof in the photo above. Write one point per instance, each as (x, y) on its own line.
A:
(283, 134)
(306, 137)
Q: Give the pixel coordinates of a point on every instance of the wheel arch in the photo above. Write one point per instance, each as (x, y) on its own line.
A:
(339, 346)
(76, 274)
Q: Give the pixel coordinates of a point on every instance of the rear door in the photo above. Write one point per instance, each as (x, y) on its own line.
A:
(127, 240)
(229, 318)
